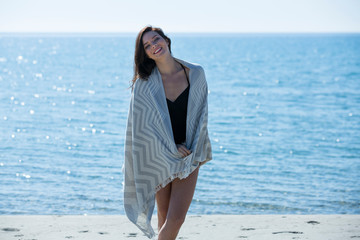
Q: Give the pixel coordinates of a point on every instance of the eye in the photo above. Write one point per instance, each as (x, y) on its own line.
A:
(156, 39)
(146, 47)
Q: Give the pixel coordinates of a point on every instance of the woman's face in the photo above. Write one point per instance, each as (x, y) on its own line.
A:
(155, 46)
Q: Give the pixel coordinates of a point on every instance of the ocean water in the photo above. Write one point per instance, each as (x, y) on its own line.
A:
(284, 122)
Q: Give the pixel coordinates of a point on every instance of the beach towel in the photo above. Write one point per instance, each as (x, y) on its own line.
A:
(151, 156)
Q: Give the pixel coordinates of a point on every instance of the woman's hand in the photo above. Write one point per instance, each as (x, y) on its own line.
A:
(183, 150)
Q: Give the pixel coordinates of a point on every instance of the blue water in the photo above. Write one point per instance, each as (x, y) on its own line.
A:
(284, 122)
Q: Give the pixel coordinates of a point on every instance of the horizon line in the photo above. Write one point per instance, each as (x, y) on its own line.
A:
(115, 32)
(170, 32)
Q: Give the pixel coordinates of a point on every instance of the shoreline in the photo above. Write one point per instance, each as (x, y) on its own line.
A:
(223, 227)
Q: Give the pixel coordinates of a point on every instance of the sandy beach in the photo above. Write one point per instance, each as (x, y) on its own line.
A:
(223, 227)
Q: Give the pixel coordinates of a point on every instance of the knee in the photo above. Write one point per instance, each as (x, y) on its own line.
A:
(176, 222)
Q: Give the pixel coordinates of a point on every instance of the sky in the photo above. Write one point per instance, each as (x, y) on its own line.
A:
(233, 16)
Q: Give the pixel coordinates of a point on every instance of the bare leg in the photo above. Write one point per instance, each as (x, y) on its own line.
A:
(182, 192)
(162, 200)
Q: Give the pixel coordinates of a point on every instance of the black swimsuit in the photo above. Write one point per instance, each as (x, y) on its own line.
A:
(178, 113)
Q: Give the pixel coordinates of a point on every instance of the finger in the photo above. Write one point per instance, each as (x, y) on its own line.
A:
(180, 150)
(186, 153)
(183, 153)
(185, 150)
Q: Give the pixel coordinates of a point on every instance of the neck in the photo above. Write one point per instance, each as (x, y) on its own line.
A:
(168, 66)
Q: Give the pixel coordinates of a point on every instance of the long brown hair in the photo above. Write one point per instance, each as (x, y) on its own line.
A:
(143, 65)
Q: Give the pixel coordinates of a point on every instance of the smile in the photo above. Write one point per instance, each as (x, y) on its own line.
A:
(158, 50)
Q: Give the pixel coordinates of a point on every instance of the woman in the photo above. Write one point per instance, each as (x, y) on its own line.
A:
(166, 136)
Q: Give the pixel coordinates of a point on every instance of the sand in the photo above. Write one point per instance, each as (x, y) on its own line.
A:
(204, 227)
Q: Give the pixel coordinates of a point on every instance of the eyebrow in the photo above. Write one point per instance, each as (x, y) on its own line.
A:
(151, 38)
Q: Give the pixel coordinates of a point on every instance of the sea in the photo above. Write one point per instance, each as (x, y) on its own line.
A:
(284, 122)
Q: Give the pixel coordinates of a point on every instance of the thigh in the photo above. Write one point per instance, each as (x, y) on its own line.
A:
(182, 192)
(163, 198)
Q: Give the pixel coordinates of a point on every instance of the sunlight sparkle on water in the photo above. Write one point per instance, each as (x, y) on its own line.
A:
(266, 125)
(26, 175)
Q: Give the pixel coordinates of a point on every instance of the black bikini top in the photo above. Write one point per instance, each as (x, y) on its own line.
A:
(178, 113)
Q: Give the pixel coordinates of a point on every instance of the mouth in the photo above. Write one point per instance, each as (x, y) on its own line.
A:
(157, 50)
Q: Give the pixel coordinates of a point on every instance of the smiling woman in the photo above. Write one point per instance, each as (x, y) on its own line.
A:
(143, 64)
(165, 144)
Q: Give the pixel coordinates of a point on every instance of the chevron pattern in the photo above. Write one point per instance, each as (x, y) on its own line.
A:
(151, 156)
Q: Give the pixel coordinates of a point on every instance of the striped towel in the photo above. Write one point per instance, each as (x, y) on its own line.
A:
(151, 156)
